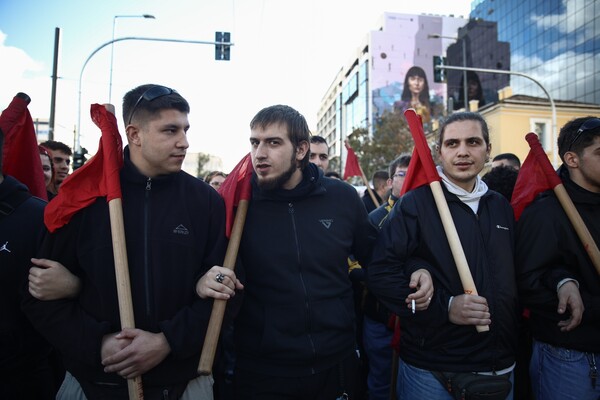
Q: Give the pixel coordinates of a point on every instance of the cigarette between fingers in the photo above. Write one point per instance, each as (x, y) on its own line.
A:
(413, 305)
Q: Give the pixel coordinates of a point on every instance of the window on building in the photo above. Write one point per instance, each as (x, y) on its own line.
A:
(541, 127)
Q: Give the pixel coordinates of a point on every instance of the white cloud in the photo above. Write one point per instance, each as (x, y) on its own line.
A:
(553, 74)
(20, 73)
(570, 21)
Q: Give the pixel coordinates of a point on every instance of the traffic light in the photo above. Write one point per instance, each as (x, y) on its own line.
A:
(439, 75)
(222, 50)
(79, 158)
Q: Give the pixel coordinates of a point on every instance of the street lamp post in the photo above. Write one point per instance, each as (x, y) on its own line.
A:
(464, 57)
(112, 47)
(77, 145)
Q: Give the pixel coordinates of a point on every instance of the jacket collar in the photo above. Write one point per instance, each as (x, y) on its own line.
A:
(576, 192)
(311, 185)
(130, 173)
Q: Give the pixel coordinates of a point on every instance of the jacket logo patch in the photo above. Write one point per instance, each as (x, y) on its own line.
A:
(326, 222)
(181, 230)
(5, 247)
(502, 227)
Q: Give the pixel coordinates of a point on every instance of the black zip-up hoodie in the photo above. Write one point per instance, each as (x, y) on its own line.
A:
(297, 316)
(414, 238)
(175, 231)
(548, 251)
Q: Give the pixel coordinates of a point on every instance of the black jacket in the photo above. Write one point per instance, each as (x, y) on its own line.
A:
(548, 251)
(21, 347)
(414, 238)
(174, 229)
(297, 316)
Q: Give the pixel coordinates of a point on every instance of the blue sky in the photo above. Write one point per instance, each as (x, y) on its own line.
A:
(285, 52)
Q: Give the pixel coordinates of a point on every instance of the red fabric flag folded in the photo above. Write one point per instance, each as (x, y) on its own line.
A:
(97, 178)
(21, 154)
(352, 167)
(421, 169)
(236, 187)
(535, 176)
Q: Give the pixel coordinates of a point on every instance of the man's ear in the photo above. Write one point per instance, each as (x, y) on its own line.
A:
(133, 135)
(571, 159)
(302, 150)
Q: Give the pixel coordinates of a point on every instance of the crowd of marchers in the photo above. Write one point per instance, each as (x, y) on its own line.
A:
(333, 296)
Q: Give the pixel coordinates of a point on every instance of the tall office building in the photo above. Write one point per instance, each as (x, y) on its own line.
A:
(477, 46)
(557, 42)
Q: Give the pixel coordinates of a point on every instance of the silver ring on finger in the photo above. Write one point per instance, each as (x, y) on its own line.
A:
(219, 277)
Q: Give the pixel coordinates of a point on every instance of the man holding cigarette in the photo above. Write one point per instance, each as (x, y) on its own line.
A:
(440, 347)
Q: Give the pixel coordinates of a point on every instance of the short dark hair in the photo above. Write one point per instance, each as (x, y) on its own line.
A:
(295, 122)
(502, 179)
(134, 105)
(380, 178)
(510, 157)
(57, 146)
(465, 116)
(568, 133)
(318, 139)
(401, 161)
(212, 174)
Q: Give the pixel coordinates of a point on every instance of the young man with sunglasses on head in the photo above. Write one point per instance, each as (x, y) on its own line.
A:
(557, 280)
(175, 233)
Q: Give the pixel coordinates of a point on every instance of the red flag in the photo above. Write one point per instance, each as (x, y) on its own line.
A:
(236, 187)
(535, 176)
(97, 178)
(352, 167)
(421, 169)
(21, 154)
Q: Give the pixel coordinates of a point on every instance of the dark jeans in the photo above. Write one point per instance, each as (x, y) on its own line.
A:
(326, 385)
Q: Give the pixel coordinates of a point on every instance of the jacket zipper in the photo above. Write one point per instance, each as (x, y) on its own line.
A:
(146, 247)
(306, 303)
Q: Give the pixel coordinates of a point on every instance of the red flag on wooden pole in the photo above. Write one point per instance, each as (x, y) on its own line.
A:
(535, 176)
(96, 178)
(421, 169)
(352, 167)
(236, 190)
(21, 156)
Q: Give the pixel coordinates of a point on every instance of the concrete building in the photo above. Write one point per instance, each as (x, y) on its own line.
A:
(511, 118)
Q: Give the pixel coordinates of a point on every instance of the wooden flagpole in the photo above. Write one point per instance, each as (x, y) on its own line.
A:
(117, 230)
(218, 311)
(458, 253)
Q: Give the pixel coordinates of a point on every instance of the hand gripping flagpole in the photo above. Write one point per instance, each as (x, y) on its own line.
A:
(236, 189)
(565, 201)
(458, 253)
(117, 230)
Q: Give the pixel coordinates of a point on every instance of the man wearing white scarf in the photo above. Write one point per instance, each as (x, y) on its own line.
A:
(442, 338)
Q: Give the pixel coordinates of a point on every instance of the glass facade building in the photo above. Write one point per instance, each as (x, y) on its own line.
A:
(557, 42)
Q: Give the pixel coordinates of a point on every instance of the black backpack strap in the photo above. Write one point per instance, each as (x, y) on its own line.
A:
(10, 204)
